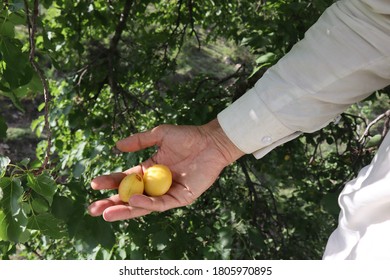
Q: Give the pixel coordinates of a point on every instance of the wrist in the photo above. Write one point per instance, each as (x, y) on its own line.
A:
(221, 141)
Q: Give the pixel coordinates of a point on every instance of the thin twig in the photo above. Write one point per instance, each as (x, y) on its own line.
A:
(35, 252)
(112, 54)
(266, 211)
(32, 29)
(386, 127)
(313, 156)
(218, 82)
(377, 119)
(178, 19)
(190, 11)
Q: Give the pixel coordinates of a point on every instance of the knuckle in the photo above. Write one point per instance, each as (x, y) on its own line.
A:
(160, 129)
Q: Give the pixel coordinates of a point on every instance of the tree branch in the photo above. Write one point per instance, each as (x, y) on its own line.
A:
(32, 29)
(121, 25)
(112, 54)
(192, 21)
(178, 19)
(376, 120)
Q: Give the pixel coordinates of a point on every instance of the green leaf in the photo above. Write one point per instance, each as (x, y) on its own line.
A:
(38, 125)
(24, 235)
(16, 5)
(12, 191)
(103, 233)
(160, 240)
(33, 87)
(4, 161)
(47, 224)
(15, 100)
(42, 184)
(266, 58)
(6, 249)
(93, 231)
(374, 141)
(3, 226)
(330, 203)
(18, 71)
(62, 207)
(39, 205)
(17, 77)
(7, 29)
(79, 169)
(24, 162)
(10, 48)
(12, 219)
(17, 18)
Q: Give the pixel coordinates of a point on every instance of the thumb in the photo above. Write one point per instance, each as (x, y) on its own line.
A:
(141, 140)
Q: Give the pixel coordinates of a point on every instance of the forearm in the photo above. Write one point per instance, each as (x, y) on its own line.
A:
(343, 58)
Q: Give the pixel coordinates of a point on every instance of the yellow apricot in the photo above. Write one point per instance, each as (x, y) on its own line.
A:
(157, 180)
(131, 184)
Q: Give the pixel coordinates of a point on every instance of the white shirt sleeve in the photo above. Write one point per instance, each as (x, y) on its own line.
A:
(344, 57)
(364, 222)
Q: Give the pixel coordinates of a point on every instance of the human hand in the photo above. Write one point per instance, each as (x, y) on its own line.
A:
(195, 155)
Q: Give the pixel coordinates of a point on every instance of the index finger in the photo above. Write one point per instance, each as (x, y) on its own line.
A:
(112, 181)
(140, 140)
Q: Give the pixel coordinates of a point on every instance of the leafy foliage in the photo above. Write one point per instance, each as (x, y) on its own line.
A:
(107, 69)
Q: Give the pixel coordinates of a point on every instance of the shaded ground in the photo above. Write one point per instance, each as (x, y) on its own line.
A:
(21, 141)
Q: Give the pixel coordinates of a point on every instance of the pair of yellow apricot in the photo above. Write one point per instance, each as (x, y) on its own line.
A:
(155, 181)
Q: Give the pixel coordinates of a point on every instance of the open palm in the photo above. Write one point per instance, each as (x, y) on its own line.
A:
(195, 154)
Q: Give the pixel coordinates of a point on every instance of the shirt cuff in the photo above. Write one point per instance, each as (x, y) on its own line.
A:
(252, 127)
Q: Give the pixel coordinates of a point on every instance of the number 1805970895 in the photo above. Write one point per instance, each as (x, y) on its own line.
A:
(242, 270)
